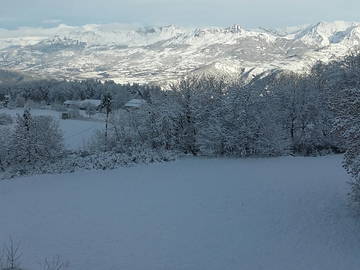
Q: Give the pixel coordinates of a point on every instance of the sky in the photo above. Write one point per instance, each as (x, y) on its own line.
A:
(248, 13)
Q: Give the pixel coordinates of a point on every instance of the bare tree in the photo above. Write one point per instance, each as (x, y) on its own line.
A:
(11, 256)
(55, 263)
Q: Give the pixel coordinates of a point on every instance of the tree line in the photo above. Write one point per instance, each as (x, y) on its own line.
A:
(57, 91)
(282, 113)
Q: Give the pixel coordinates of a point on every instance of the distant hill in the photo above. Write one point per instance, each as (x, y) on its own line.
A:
(11, 77)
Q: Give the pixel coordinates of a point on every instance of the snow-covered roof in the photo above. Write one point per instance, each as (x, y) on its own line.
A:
(94, 102)
(135, 103)
(72, 102)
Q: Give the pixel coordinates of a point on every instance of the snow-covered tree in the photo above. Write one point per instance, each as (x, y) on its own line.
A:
(5, 140)
(348, 126)
(35, 138)
(186, 95)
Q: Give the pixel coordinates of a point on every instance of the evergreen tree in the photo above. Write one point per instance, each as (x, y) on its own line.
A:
(106, 104)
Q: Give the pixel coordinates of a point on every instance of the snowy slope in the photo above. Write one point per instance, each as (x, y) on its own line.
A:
(128, 53)
(273, 214)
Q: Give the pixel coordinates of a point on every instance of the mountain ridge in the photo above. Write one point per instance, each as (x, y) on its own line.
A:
(159, 54)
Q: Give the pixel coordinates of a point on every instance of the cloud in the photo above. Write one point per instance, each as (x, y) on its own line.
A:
(249, 13)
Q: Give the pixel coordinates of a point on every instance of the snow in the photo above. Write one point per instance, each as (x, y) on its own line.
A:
(96, 34)
(278, 213)
(83, 103)
(76, 132)
(94, 102)
(135, 103)
(135, 54)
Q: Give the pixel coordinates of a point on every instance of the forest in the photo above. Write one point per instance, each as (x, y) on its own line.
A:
(282, 113)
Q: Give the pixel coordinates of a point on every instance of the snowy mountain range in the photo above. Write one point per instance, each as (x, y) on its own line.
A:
(126, 53)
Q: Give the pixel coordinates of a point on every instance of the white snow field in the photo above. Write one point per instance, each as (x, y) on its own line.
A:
(277, 214)
(76, 133)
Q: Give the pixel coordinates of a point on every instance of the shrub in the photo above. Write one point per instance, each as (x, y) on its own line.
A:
(35, 138)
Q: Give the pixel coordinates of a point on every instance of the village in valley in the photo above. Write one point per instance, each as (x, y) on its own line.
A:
(79, 120)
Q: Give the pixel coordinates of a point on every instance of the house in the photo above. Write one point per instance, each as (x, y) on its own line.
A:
(71, 103)
(83, 104)
(134, 104)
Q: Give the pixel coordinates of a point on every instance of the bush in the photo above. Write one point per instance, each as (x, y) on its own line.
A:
(89, 161)
(35, 138)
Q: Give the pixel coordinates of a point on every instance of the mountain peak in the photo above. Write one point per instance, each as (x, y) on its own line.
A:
(235, 29)
(324, 33)
(133, 53)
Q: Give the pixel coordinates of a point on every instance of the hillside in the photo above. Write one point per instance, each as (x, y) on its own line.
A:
(280, 213)
(159, 54)
(11, 77)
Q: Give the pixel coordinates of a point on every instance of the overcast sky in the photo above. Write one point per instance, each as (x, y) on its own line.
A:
(248, 13)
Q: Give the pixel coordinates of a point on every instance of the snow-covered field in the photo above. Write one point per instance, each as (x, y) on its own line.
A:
(76, 132)
(277, 214)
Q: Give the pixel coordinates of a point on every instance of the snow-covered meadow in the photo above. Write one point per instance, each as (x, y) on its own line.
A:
(277, 213)
(76, 132)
